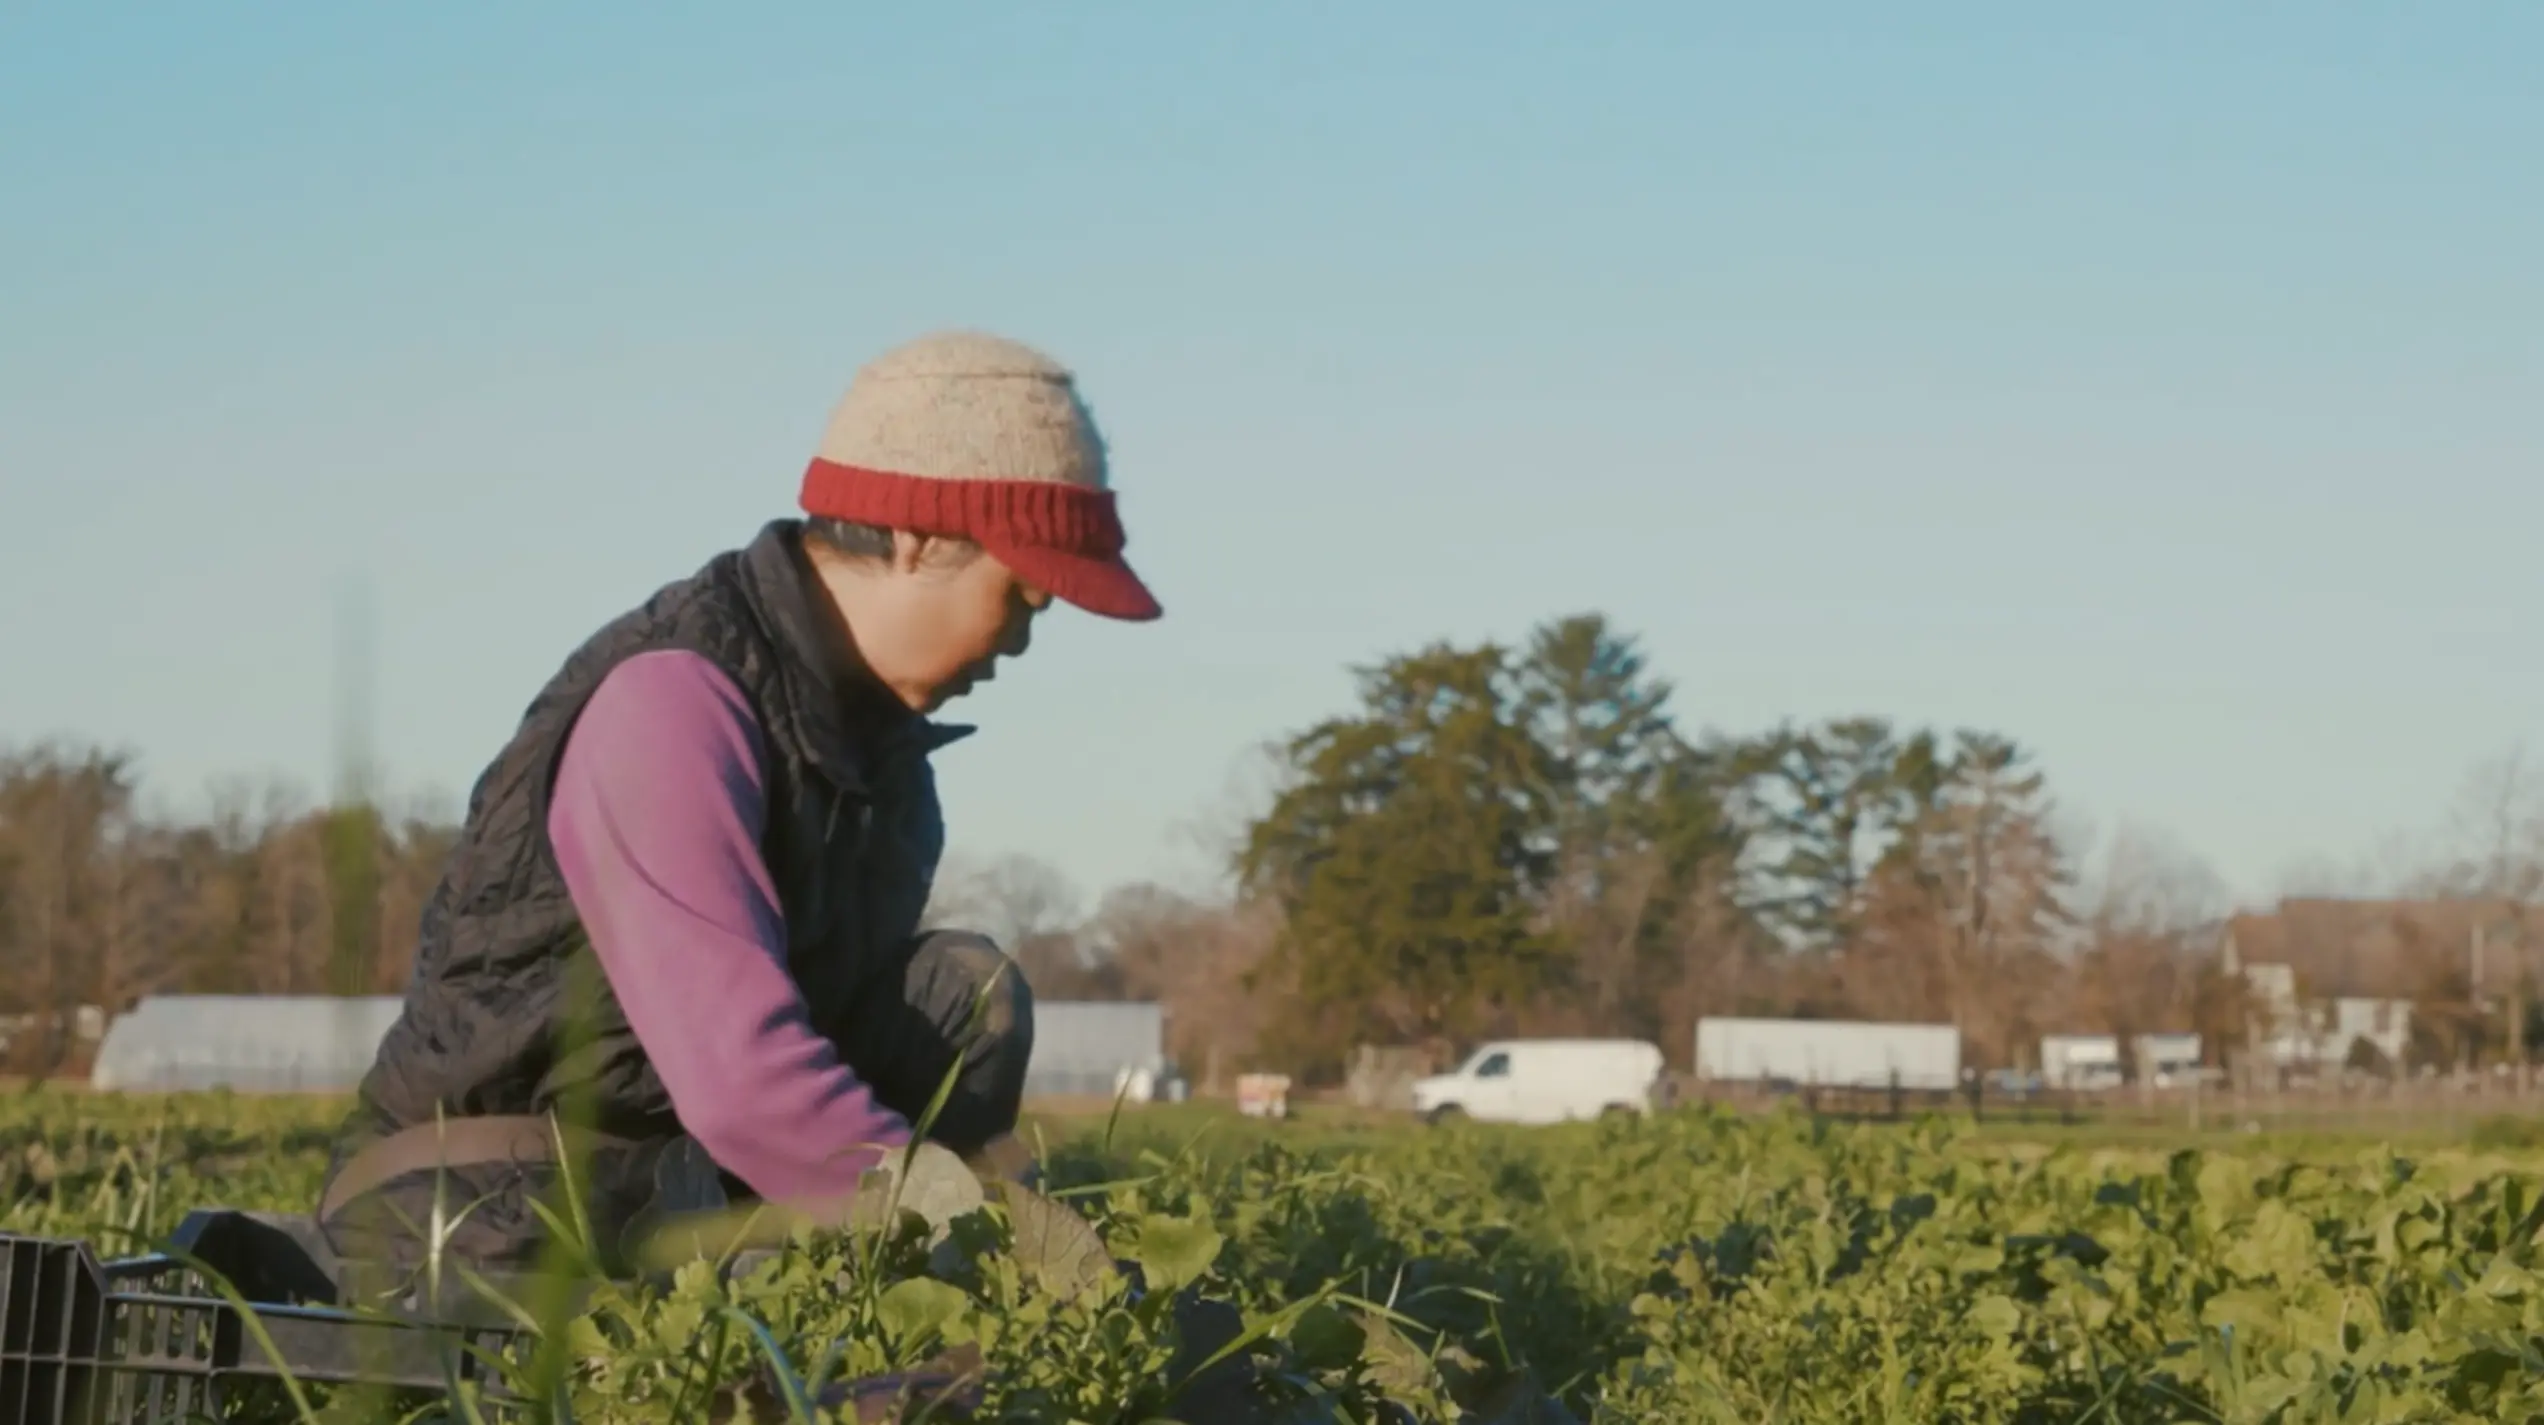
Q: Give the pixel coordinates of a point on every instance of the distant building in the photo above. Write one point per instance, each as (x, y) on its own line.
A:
(2165, 1060)
(1082, 1048)
(2274, 1021)
(2080, 1061)
(2325, 977)
(2092, 1061)
(2388, 949)
(245, 1043)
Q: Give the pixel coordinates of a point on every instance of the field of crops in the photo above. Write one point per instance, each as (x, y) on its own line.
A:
(1687, 1269)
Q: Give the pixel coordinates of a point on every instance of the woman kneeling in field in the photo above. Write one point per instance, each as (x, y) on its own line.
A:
(682, 919)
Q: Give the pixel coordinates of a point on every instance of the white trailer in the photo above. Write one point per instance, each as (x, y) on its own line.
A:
(1828, 1053)
(2165, 1060)
(2080, 1061)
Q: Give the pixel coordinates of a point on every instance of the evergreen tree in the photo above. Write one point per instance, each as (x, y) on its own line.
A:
(1639, 817)
(1586, 695)
(1408, 854)
(1825, 805)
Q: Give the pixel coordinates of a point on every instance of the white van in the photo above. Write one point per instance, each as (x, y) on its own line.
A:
(1544, 1081)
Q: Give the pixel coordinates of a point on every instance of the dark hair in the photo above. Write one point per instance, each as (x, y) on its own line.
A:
(866, 543)
(848, 541)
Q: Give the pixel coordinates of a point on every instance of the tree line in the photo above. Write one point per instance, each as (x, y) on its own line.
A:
(1505, 838)
(1494, 838)
(102, 903)
(1523, 838)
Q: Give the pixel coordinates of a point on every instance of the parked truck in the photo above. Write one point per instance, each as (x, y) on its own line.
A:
(1828, 1053)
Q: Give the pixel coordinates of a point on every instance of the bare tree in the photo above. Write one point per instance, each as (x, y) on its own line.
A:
(2150, 882)
(1150, 936)
(290, 912)
(64, 818)
(1972, 913)
(1721, 960)
(1212, 836)
(2492, 858)
(2145, 962)
(1012, 899)
(2493, 840)
(1607, 919)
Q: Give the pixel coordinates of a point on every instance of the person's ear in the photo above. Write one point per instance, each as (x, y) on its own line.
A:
(909, 551)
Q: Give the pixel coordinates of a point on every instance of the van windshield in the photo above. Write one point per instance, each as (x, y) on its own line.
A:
(1491, 1064)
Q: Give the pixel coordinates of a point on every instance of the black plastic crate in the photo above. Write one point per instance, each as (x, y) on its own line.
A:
(144, 1340)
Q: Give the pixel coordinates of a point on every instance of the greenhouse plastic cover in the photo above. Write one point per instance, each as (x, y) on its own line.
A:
(250, 1043)
(315, 1044)
(1082, 1047)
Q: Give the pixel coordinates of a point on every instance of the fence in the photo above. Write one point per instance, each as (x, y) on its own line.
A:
(2507, 1102)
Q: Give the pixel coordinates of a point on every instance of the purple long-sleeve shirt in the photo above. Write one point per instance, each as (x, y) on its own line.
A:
(656, 819)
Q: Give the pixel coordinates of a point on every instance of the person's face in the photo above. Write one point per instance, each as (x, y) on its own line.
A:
(932, 627)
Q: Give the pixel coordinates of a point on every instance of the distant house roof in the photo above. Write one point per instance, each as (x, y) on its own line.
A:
(2384, 948)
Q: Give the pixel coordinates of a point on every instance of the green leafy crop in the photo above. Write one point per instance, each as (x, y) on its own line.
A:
(1690, 1268)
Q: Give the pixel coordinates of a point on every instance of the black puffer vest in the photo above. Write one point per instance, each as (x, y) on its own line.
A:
(508, 1012)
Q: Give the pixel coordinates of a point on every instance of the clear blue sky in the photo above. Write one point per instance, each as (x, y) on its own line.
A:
(2163, 385)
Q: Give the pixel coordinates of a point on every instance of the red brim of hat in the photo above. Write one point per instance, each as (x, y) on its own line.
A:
(1101, 586)
(1063, 538)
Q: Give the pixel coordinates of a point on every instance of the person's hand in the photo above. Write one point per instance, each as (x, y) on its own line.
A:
(926, 1178)
(1006, 1159)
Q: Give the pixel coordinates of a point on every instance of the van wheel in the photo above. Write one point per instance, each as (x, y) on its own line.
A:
(1446, 1113)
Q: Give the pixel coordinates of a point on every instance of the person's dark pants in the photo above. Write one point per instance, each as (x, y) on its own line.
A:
(962, 1009)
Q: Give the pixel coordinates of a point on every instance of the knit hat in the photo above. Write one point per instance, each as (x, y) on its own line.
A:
(977, 437)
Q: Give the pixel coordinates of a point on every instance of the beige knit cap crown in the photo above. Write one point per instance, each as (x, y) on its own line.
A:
(966, 405)
(971, 435)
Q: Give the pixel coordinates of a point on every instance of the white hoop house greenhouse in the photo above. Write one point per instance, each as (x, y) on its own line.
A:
(249, 1043)
(315, 1044)
(1084, 1047)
